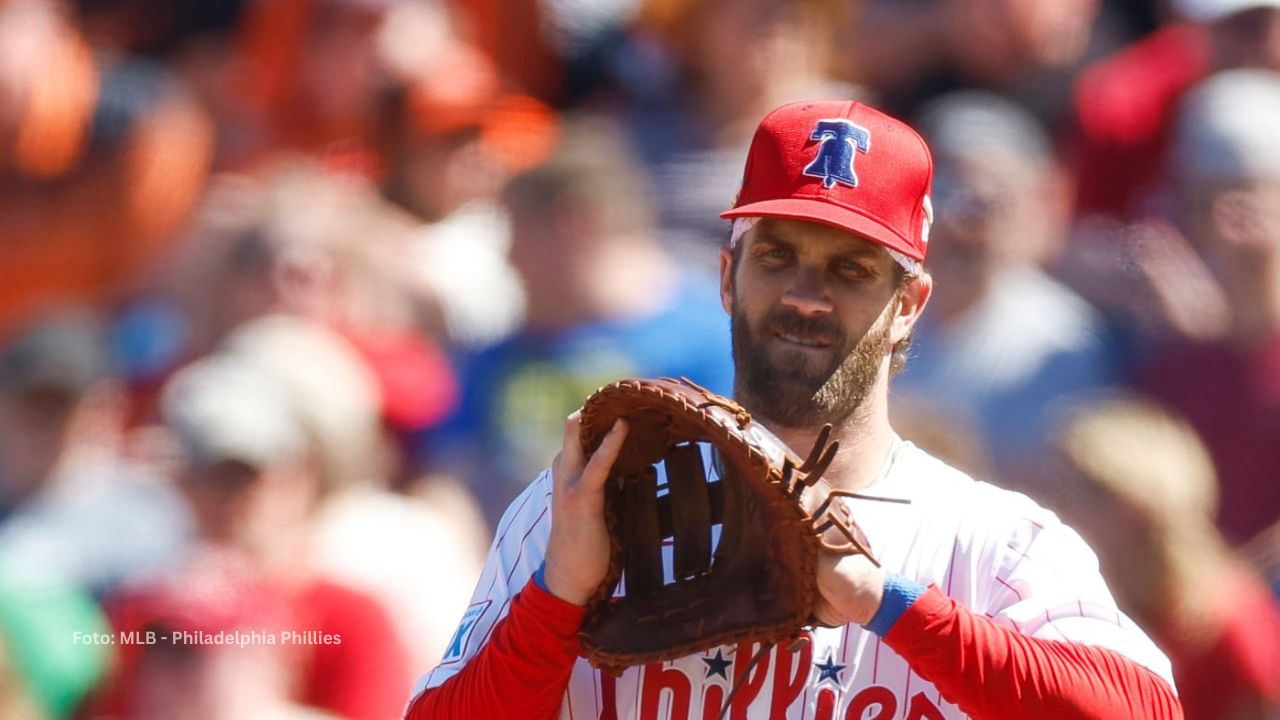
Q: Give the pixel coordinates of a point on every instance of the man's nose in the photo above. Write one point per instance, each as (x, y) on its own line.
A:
(807, 295)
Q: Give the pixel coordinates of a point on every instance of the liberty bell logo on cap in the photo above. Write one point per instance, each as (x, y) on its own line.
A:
(814, 160)
(840, 140)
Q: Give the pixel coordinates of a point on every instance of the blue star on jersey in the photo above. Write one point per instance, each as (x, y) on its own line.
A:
(718, 665)
(829, 670)
(840, 140)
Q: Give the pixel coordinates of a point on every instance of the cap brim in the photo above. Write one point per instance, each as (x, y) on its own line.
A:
(826, 213)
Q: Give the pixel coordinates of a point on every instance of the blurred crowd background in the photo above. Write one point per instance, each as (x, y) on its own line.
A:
(296, 294)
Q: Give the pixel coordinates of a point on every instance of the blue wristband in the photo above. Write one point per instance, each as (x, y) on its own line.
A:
(900, 593)
(540, 576)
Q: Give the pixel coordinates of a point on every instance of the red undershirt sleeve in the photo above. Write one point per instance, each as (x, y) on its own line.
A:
(521, 672)
(991, 671)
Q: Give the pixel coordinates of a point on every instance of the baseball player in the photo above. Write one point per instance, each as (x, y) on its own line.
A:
(985, 605)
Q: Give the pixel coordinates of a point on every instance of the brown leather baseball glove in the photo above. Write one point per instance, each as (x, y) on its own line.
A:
(711, 540)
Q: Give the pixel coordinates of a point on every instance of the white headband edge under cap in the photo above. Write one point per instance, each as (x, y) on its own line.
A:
(743, 224)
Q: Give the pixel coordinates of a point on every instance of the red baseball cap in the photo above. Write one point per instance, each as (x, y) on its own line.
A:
(844, 164)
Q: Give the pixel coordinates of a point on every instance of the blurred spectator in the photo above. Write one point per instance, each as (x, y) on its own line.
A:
(1140, 487)
(71, 493)
(1127, 255)
(222, 644)
(48, 662)
(299, 240)
(45, 372)
(416, 389)
(288, 467)
(605, 302)
(1004, 342)
(368, 540)
(313, 73)
(198, 40)
(908, 52)
(1126, 105)
(453, 137)
(514, 35)
(278, 421)
(1227, 156)
(100, 161)
(1147, 280)
(293, 238)
(736, 60)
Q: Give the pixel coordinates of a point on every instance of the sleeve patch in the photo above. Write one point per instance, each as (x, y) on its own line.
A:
(458, 645)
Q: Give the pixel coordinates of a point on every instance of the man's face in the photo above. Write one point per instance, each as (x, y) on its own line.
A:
(815, 312)
(995, 212)
(983, 209)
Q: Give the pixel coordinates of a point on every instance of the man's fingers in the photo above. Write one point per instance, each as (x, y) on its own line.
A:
(597, 469)
(571, 457)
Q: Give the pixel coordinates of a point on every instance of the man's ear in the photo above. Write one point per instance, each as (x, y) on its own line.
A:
(915, 295)
(726, 280)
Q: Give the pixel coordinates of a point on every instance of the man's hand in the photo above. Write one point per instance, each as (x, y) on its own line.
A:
(578, 551)
(850, 588)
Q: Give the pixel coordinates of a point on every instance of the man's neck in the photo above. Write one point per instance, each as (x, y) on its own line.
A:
(865, 438)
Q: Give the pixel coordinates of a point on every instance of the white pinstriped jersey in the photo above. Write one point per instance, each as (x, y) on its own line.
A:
(995, 551)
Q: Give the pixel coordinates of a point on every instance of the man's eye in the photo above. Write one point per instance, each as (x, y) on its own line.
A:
(854, 270)
(774, 255)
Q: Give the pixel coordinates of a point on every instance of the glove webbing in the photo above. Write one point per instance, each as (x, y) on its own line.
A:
(686, 513)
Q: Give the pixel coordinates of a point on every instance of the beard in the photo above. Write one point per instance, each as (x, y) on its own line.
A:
(798, 391)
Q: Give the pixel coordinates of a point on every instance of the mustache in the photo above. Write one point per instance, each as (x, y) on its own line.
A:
(824, 328)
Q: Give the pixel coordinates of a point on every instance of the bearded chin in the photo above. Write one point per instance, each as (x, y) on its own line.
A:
(794, 395)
